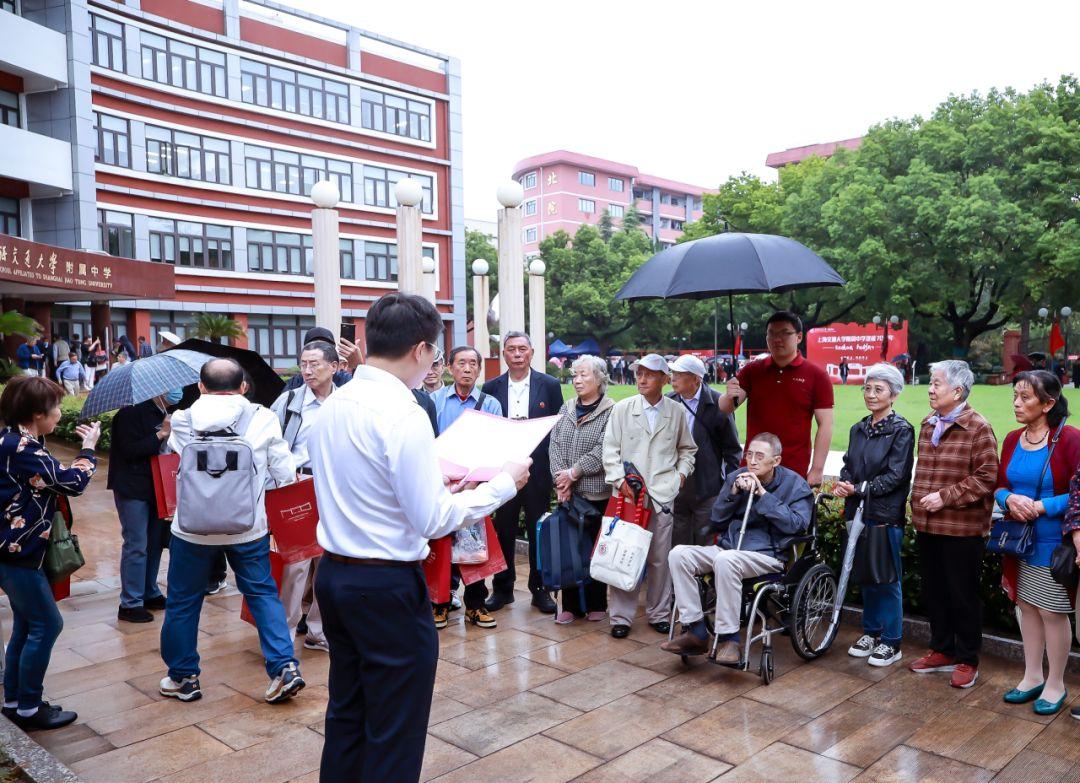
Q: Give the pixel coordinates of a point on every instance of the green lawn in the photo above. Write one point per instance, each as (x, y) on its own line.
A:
(993, 402)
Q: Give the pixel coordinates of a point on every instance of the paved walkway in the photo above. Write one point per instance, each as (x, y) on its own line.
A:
(531, 701)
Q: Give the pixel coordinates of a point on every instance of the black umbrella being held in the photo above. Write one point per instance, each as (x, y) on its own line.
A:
(266, 385)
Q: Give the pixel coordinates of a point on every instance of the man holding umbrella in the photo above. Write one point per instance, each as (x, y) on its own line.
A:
(786, 393)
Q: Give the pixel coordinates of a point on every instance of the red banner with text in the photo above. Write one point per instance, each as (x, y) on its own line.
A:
(862, 345)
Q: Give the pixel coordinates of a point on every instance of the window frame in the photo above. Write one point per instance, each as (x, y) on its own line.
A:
(99, 36)
(179, 157)
(621, 184)
(288, 90)
(194, 245)
(11, 110)
(108, 220)
(108, 140)
(277, 249)
(386, 112)
(10, 219)
(586, 179)
(586, 205)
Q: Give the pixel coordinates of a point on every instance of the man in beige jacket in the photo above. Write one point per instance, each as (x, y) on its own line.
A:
(649, 430)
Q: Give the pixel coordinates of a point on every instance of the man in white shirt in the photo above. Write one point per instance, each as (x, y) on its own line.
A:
(222, 407)
(381, 497)
(296, 410)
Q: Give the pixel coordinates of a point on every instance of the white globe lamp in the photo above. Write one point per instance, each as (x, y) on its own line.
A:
(537, 267)
(325, 194)
(480, 266)
(408, 192)
(510, 194)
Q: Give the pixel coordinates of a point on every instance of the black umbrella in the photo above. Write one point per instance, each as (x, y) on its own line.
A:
(266, 384)
(730, 263)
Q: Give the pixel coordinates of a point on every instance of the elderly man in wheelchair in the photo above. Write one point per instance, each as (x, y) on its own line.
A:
(782, 506)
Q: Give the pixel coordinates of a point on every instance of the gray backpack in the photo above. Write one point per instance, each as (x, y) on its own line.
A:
(216, 484)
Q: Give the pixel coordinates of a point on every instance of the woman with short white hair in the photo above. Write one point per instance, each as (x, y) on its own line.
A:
(575, 451)
(877, 470)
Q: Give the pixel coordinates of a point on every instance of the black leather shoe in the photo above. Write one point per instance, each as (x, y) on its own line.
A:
(542, 601)
(47, 717)
(661, 627)
(620, 631)
(11, 712)
(134, 614)
(157, 604)
(496, 602)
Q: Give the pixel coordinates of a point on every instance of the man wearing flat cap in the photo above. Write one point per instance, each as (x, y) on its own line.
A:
(719, 450)
(650, 431)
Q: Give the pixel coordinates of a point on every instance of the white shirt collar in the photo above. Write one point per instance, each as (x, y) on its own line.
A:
(366, 372)
(518, 384)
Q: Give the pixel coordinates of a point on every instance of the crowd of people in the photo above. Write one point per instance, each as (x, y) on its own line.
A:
(719, 503)
(78, 364)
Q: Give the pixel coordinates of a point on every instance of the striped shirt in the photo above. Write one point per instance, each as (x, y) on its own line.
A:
(963, 467)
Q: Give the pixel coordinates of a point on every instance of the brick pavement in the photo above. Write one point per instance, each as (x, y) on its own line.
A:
(531, 701)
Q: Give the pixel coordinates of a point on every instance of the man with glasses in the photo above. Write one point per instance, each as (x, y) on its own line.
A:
(786, 394)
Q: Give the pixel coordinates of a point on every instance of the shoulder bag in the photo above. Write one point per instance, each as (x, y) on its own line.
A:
(63, 557)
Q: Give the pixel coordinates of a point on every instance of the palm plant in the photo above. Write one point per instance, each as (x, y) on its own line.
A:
(215, 326)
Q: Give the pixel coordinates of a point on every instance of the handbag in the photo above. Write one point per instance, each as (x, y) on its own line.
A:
(62, 554)
(620, 555)
(1063, 564)
(1014, 537)
(875, 562)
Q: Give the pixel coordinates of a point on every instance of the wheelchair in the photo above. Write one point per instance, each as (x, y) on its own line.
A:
(796, 602)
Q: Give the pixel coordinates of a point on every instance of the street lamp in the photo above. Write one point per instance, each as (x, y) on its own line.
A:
(325, 255)
(481, 305)
(1066, 311)
(892, 321)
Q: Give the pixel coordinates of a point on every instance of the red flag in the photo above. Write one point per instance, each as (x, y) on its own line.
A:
(738, 345)
(1057, 342)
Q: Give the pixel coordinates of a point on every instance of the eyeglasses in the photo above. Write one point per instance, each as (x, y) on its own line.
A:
(313, 366)
(781, 335)
(757, 456)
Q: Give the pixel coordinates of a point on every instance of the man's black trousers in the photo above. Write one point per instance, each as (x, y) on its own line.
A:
(535, 501)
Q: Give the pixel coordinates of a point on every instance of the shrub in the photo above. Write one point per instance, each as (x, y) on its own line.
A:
(71, 413)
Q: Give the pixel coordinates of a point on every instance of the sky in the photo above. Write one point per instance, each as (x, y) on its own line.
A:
(700, 91)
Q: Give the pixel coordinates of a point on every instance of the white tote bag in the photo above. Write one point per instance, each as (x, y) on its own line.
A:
(620, 555)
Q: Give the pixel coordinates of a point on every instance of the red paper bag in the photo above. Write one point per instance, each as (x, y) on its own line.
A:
(277, 570)
(495, 562)
(292, 514)
(164, 467)
(61, 589)
(437, 569)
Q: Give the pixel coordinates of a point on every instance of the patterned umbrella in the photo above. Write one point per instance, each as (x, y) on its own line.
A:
(135, 382)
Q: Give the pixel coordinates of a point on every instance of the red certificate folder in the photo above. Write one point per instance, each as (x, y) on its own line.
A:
(164, 467)
(292, 514)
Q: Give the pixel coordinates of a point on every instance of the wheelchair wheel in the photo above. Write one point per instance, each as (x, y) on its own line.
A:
(810, 619)
(765, 668)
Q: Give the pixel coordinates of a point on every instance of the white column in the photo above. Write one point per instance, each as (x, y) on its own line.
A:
(537, 315)
(511, 263)
(409, 194)
(481, 304)
(326, 256)
(428, 267)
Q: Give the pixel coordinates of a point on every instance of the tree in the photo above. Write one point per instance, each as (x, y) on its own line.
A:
(478, 245)
(13, 322)
(605, 225)
(631, 219)
(214, 327)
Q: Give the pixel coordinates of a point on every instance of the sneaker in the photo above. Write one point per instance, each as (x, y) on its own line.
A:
(863, 648)
(964, 676)
(455, 602)
(186, 690)
(564, 618)
(134, 614)
(286, 685)
(1075, 712)
(11, 712)
(595, 617)
(884, 655)
(442, 616)
(317, 644)
(480, 618)
(216, 587)
(47, 717)
(933, 662)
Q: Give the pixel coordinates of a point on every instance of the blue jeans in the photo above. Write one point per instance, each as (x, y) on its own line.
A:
(35, 624)
(189, 570)
(883, 605)
(140, 556)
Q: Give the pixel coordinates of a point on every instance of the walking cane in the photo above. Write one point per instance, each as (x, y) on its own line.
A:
(745, 518)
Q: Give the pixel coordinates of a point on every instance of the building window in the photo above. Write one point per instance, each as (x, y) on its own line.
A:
(294, 92)
(107, 39)
(586, 178)
(9, 108)
(113, 140)
(182, 65)
(616, 210)
(676, 201)
(380, 261)
(9, 216)
(8, 5)
(616, 184)
(348, 259)
(184, 243)
(187, 155)
(529, 180)
(293, 173)
(642, 193)
(394, 114)
(586, 205)
(530, 207)
(379, 185)
(279, 338)
(665, 222)
(530, 235)
(117, 233)
(276, 252)
(677, 225)
(665, 198)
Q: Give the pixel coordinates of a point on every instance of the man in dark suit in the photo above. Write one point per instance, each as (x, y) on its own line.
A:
(719, 450)
(523, 394)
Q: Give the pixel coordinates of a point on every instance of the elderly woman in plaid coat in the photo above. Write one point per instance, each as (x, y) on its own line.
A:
(577, 467)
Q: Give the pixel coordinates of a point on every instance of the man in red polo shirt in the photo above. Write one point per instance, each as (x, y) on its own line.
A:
(786, 393)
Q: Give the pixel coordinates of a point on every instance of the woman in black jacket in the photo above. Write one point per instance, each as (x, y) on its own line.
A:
(881, 452)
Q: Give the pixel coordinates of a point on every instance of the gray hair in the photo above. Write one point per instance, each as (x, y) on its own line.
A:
(511, 335)
(596, 366)
(329, 353)
(957, 374)
(888, 375)
(770, 440)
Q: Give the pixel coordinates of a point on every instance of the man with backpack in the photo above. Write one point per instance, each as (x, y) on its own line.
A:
(450, 402)
(230, 449)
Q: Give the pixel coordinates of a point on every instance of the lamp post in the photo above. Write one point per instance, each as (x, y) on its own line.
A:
(537, 315)
(893, 321)
(325, 256)
(1065, 313)
(480, 298)
(409, 193)
(511, 262)
(1044, 315)
(428, 267)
